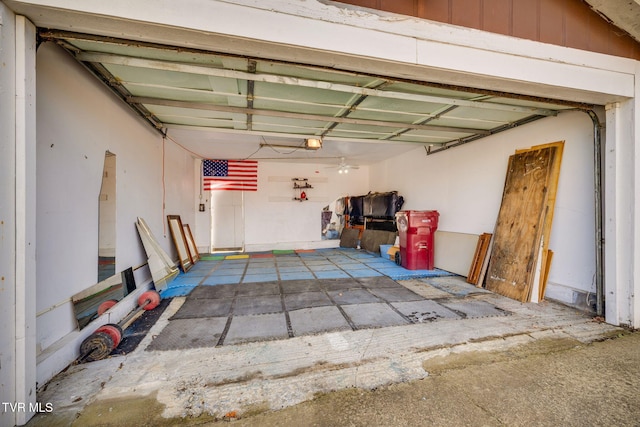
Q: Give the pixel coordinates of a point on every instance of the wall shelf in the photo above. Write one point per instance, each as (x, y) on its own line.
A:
(300, 185)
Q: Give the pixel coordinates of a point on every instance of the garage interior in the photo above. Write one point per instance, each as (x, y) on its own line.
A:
(339, 316)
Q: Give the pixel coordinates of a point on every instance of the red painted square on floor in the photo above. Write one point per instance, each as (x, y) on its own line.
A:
(261, 256)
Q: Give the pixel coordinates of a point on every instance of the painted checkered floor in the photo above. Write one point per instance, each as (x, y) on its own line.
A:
(338, 263)
(232, 314)
(242, 298)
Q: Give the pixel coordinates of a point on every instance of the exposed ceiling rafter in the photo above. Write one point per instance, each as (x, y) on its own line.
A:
(177, 88)
(104, 58)
(301, 116)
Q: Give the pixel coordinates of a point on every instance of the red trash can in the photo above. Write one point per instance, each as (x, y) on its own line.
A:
(416, 230)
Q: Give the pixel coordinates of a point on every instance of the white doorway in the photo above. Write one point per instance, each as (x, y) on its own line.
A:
(227, 221)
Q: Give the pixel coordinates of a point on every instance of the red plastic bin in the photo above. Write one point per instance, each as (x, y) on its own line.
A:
(416, 230)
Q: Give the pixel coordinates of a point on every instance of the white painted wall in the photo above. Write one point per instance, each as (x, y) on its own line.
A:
(273, 220)
(465, 184)
(78, 120)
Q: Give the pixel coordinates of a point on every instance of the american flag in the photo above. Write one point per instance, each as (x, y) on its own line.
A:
(240, 175)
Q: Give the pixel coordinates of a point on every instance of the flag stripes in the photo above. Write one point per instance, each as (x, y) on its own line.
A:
(224, 175)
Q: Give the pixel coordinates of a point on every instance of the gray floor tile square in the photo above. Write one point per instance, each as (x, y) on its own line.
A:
(257, 305)
(424, 311)
(373, 315)
(296, 286)
(215, 292)
(420, 286)
(317, 320)
(339, 284)
(203, 307)
(474, 308)
(189, 333)
(258, 289)
(257, 328)
(455, 287)
(378, 282)
(306, 300)
(396, 294)
(353, 296)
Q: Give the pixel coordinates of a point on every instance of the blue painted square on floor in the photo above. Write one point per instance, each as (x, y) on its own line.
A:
(222, 280)
(201, 268)
(346, 261)
(185, 279)
(332, 274)
(296, 263)
(296, 275)
(311, 256)
(292, 269)
(350, 267)
(359, 255)
(228, 272)
(392, 272)
(236, 261)
(261, 270)
(261, 262)
(324, 267)
(381, 267)
(177, 291)
(378, 261)
(321, 261)
(250, 278)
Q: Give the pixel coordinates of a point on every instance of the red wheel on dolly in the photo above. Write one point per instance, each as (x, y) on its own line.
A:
(106, 306)
(114, 331)
(149, 300)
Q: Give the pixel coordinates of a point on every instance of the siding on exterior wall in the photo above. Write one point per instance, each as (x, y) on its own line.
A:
(569, 23)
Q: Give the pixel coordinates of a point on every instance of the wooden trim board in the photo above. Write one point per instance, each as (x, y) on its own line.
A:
(477, 264)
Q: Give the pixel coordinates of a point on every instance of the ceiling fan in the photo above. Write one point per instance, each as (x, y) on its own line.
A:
(343, 167)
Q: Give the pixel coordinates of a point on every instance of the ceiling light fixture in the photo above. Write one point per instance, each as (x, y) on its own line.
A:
(313, 143)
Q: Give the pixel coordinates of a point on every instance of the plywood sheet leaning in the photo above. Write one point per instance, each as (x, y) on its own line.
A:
(552, 190)
(162, 268)
(482, 249)
(521, 223)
